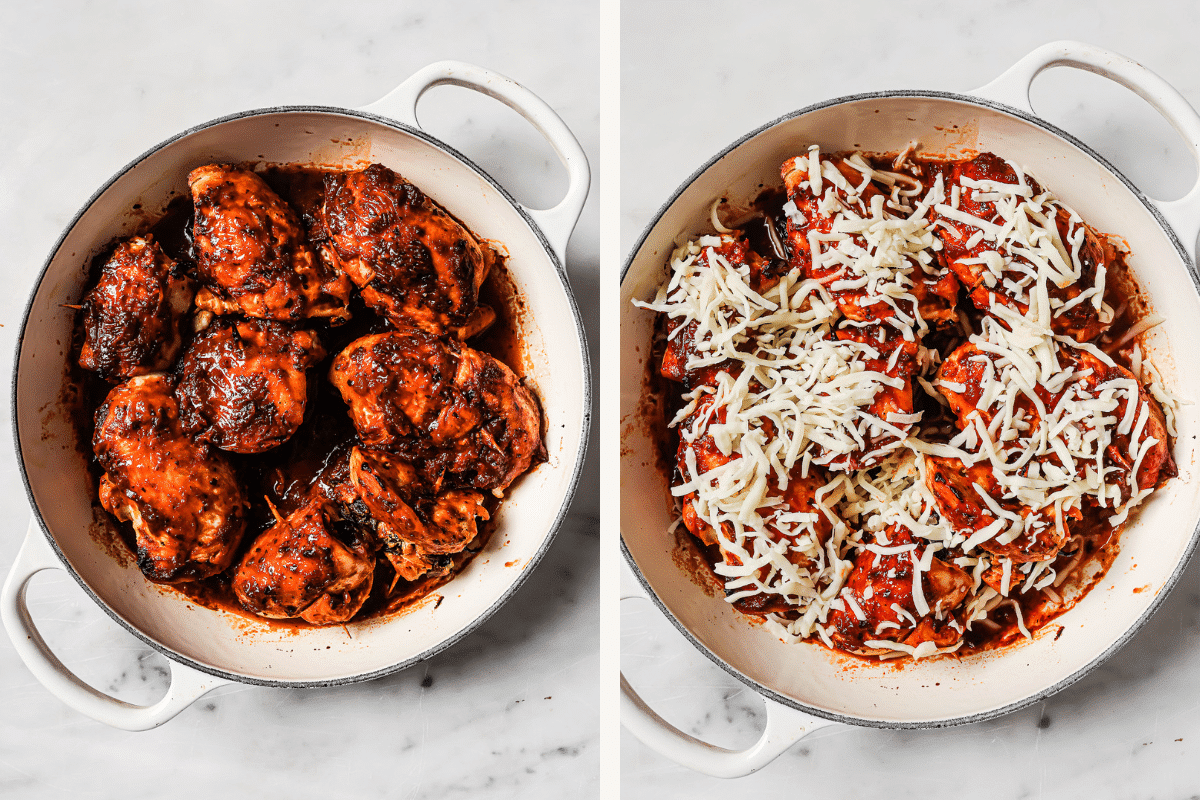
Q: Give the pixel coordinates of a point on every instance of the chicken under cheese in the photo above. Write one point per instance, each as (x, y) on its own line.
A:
(836, 497)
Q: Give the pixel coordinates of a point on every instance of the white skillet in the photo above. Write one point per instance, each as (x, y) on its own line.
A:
(807, 687)
(209, 648)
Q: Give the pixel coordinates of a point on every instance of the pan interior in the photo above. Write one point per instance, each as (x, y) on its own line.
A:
(54, 462)
(1155, 545)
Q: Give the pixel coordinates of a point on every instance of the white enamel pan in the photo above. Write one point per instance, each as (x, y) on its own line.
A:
(806, 687)
(209, 648)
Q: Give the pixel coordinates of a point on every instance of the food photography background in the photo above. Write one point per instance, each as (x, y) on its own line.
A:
(1126, 730)
(510, 711)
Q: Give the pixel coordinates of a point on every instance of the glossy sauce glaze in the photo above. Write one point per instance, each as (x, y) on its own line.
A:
(282, 479)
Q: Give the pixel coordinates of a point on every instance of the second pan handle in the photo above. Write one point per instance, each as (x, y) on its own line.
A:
(557, 222)
(1012, 89)
(785, 726)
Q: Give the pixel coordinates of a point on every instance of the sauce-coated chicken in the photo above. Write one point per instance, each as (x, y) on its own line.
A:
(242, 384)
(252, 255)
(298, 568)
(340, 481)
(416, 529)
(131, 318)
(441, 405)
(182, 499)
(414, 263)
(878, 602)
(392, 493)
(966, 252)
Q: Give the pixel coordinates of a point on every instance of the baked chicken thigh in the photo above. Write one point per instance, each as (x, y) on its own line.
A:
(298, 568)
(414, 262)
(131, 317)
(878, 603)
(242, 384)
(441, 405)
(252, 255)
(390, 502)
(182, 499)
(392, 492)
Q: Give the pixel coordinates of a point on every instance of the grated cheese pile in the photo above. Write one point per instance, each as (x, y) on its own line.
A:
(791, 396)
(807, 387)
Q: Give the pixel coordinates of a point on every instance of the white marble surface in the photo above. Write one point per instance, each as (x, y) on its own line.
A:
(511, 711)
(696, 77)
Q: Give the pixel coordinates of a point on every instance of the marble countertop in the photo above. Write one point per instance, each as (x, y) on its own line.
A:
(695, 78)
(512, 711)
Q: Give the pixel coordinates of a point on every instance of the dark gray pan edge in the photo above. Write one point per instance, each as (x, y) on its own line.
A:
(1122, 640)
(560, 273)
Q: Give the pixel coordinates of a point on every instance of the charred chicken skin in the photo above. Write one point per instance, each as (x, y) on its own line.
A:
(252, 255)
(182, 499)
(242, 384)
(414, 263)
(299, 568)
(336, 485)
(441, 405)
(417, 529)
(392, 493)
(131, 318)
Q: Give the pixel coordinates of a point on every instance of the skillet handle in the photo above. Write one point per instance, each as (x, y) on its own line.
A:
(1012, 88)
(785, 726)
(557, 222)
(187, 685)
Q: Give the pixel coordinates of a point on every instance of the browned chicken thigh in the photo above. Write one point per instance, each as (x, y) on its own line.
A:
(131, 318)
(242, 384)
(252, 255)
(414, 263)
(350, 475)
(298, 568)
(415, 527)
(182, 499)
(443, 406)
